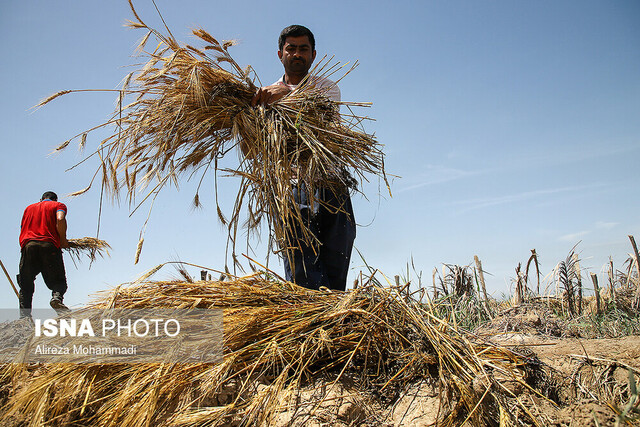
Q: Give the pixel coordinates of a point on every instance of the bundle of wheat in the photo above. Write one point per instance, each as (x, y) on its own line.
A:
(280, 337)
(190, 108)
(88, 245)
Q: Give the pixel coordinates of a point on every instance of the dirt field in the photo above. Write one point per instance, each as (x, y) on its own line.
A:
(588, 371)
(585, 372)
(579, 367)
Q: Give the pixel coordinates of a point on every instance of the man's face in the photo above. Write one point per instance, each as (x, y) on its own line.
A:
(296, 55)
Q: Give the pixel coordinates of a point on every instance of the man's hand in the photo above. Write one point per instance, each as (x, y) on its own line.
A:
(64, 243)
(269, 94)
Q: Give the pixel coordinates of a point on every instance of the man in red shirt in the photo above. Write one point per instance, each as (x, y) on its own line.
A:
(43, 232)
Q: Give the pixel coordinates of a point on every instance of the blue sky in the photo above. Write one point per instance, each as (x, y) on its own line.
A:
(512, 125)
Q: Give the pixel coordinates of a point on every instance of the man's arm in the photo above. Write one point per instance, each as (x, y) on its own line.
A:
(264, 96)
(61, 226)
(269, 94)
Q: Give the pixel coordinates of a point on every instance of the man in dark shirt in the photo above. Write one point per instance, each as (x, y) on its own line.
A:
(331, 220)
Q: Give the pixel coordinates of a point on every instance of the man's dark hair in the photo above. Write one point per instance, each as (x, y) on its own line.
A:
(296, 31)
(50, 195)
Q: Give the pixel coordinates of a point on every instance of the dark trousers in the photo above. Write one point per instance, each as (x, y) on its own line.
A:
(41, 257)
(333, 224)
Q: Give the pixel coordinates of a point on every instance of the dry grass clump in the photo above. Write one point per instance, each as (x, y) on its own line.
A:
(90, 246)
(278, 338)
(187, 107)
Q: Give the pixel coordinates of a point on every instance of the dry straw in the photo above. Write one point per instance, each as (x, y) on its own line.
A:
(90, 246)
(188, 107)
(278, 338)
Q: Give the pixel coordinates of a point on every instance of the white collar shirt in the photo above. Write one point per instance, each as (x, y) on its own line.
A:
(332, 89)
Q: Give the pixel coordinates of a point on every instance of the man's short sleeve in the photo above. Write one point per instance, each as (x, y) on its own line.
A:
(331, 89)
(334, 93)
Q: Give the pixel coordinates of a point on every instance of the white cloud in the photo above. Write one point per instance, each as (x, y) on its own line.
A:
(606, 225)
(598, 226)
(435, 174)
(484, 202)
(573, 237)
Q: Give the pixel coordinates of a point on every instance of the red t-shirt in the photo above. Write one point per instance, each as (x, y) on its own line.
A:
(39, 222)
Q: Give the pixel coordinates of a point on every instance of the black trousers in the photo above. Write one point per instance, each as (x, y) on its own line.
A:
(333, 224)
(41, 257)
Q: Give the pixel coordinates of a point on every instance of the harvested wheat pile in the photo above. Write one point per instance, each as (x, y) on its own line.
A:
(279, 339)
